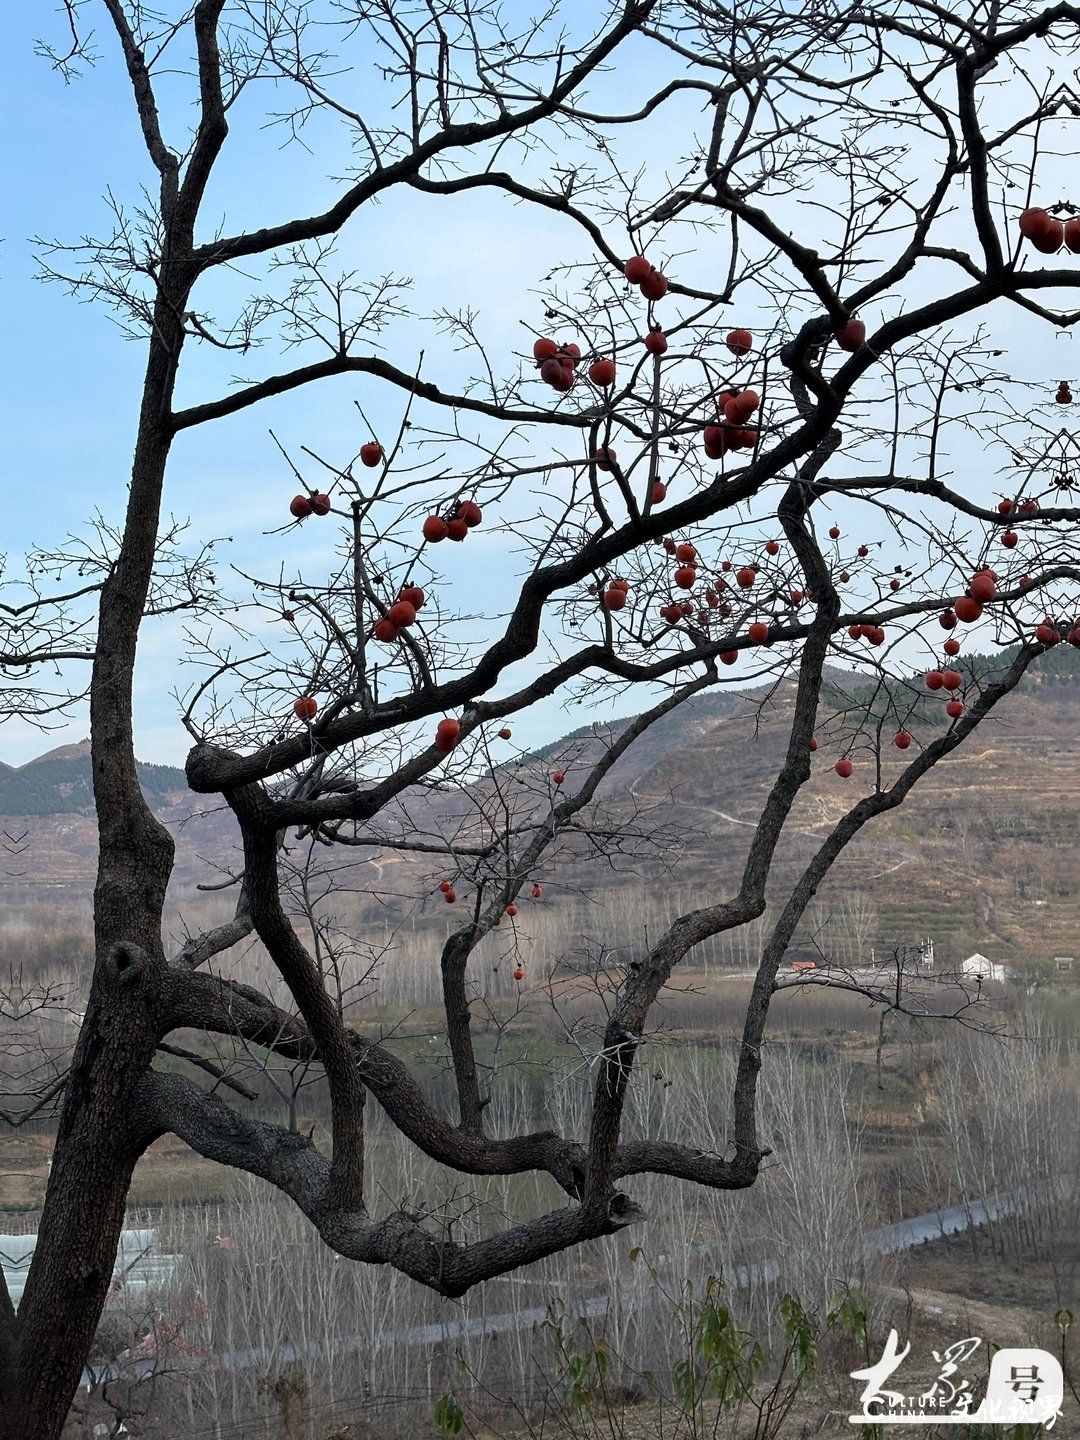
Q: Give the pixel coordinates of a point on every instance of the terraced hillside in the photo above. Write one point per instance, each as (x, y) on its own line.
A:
(983, 856)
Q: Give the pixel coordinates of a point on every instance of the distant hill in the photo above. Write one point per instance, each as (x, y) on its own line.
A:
(983, 856)
(60, 783)
(79, 750)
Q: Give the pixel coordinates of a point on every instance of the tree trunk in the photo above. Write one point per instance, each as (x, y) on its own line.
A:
(99, 1138)
(97, 1146)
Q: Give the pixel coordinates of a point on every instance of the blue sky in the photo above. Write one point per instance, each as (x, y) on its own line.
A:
(71, 381)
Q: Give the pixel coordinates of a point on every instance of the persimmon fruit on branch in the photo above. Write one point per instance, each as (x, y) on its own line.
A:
(754, 426)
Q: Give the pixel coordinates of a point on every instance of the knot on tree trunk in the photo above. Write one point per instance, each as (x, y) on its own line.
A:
(125, 962)
(624, 1211)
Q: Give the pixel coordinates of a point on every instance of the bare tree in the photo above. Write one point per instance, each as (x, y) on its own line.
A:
(851, 177)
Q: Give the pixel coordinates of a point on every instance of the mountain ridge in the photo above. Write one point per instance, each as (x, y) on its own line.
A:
(982, 854)
(60, 782)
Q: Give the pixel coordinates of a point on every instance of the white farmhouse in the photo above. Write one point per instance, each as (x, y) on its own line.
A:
(978, 967)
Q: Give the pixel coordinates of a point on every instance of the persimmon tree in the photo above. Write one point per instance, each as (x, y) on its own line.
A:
(760, 421)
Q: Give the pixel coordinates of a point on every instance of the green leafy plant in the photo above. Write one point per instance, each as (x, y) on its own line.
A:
(449, 1416)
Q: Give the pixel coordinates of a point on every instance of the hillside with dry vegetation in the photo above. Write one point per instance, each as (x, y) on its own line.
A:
(981, 857)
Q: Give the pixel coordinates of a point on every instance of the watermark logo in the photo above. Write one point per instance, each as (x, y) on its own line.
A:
(1025, 1387)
